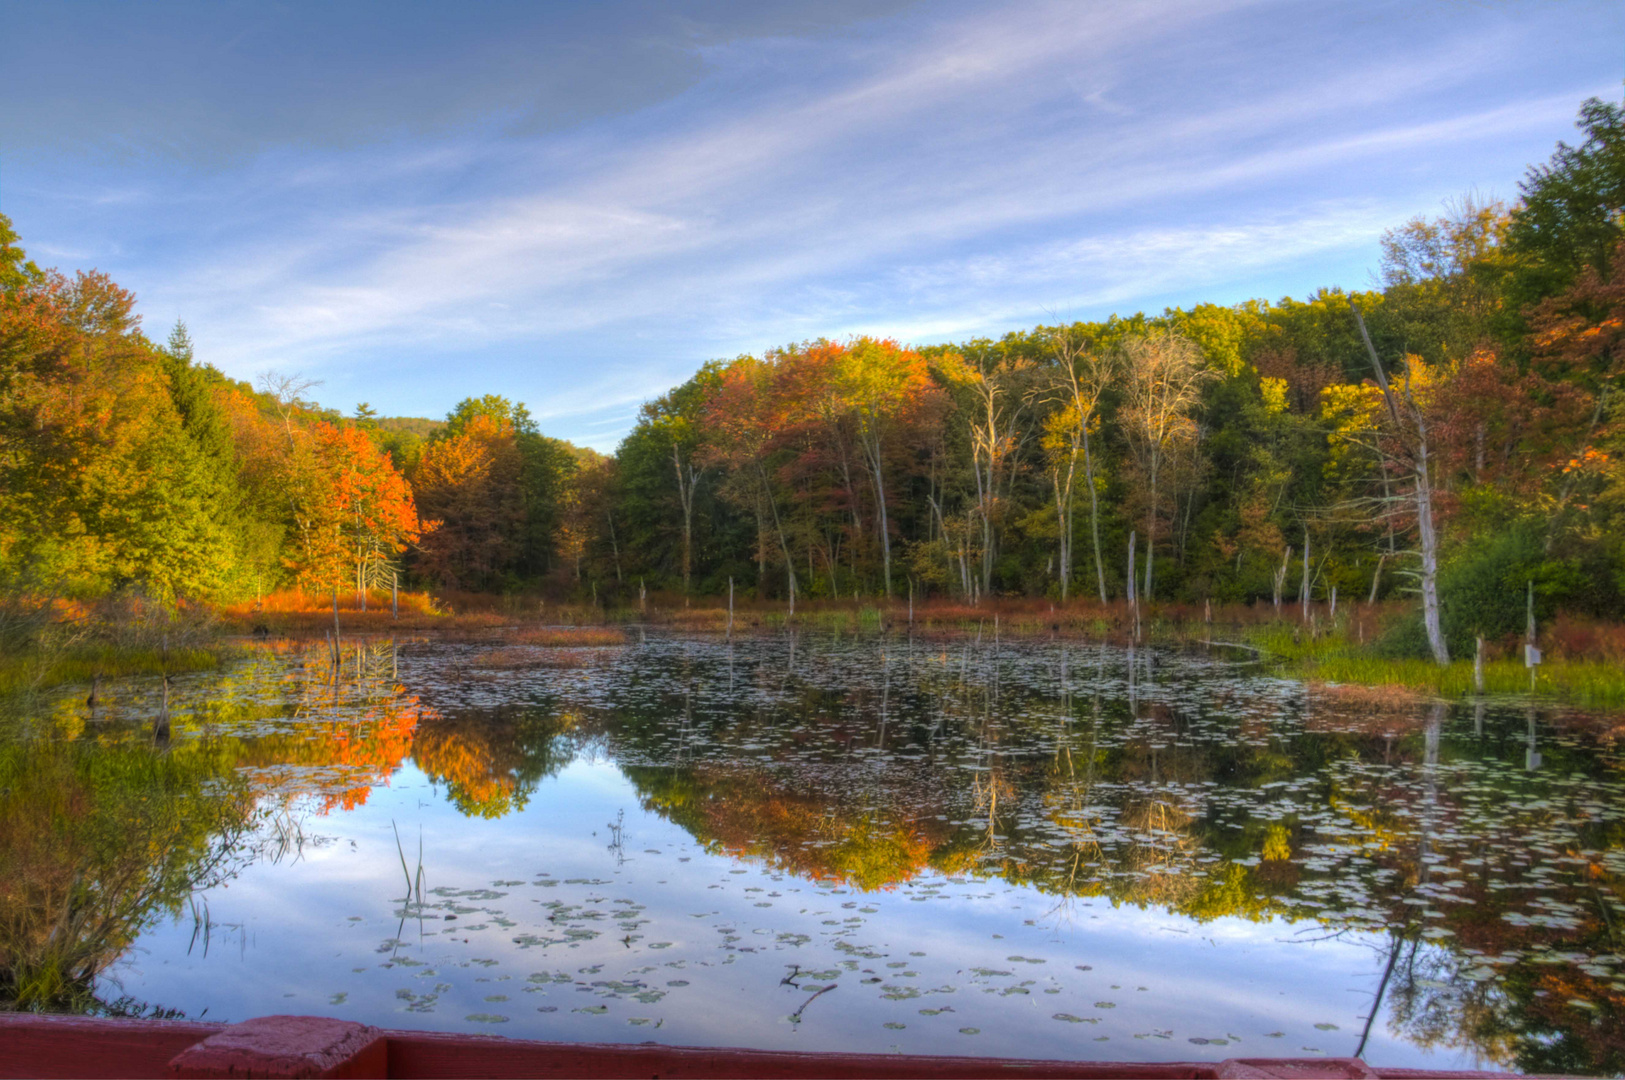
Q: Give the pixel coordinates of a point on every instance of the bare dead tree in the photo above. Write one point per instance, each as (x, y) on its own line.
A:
(688, 481)
(1410, 431)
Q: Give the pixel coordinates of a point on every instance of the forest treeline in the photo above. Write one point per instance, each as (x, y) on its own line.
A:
(1453, 431)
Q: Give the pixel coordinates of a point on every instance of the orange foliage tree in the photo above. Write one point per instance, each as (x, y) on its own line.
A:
(373, 511)
(469, 485)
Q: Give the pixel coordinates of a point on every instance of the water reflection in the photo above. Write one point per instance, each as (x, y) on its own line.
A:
(1474, 850)
(98, 840)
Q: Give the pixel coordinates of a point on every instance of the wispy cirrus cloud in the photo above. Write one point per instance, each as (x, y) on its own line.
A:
(939, 172)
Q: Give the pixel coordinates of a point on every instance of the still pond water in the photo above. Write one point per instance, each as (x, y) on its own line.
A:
(1041, 850)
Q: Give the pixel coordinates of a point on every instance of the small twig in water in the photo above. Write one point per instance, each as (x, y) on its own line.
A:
(795, 1017)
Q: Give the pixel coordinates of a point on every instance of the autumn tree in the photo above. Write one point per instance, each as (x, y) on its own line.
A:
(886, 390)
(1162, 388)
(100, 485)
(743, 418)
(469, 485)
(666, 445)
(587, 513)
(371, 504)
(1441, 295)
(997, 385)
(1079, 381)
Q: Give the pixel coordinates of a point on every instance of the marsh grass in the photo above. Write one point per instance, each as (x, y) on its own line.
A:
(1329, 657)
(571, 636)
(40, 670)
(1584, 682)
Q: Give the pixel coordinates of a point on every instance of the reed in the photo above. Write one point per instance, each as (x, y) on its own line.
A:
(1592, 683)
(30, 670)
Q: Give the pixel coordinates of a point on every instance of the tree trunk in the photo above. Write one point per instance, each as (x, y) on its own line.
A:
(685, 495)
(1129, 595)
(784, 545)
(614, 545)
(1063, 515)
(1151, 532)
(1430, 554)
(1094, 514)
(1303, 587)
(873, 453)
(1280, 577)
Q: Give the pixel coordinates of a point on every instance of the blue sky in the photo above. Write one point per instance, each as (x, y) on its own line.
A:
(575, 205)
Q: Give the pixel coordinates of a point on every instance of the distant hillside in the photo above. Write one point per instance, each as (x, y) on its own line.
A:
(409, 425)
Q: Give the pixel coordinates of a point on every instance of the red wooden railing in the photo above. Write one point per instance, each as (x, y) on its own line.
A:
(308, 1046)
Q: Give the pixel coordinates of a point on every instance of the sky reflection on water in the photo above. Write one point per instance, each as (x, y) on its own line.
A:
(1031, 851)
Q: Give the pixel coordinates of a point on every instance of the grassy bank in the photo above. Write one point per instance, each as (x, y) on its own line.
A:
(34, 669)
(1595, 681)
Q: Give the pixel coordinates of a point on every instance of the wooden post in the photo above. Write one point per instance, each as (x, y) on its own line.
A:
(394, 595)
(643, 598)
(730, 607)
(1332, 614)
(911, 603)
(335, 627)
(1478, 665)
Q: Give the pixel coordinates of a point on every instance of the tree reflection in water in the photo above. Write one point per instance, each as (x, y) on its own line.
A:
(97, 841)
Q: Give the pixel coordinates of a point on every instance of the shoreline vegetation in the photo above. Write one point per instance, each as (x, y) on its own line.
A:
(1583, 661)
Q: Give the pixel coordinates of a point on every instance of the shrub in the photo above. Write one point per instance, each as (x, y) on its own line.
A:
(1482, 590)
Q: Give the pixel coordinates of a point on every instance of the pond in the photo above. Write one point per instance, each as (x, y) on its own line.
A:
(816, 843)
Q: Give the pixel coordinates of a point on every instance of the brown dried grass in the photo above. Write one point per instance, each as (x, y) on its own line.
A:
(530, 657)
(572, 636)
